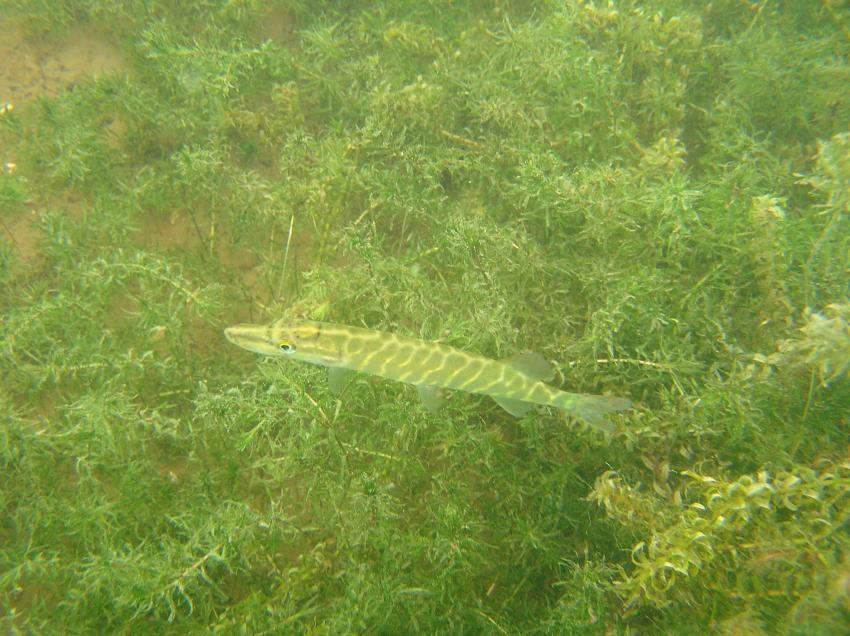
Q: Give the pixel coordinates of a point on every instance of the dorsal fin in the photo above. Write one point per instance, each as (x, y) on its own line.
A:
(531, 364)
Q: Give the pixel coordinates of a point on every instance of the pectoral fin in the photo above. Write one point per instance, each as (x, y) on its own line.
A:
(532, 365)
(514, 407)
(430, 396)
(338, 379)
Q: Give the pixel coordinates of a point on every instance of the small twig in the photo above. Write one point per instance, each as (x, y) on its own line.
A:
(645, 363)
(368, 452)
(316, 404)
(162, 277)
(199, 233)
(461, 140)
(809, 396)
(495, 624)
(285, 257)
(9, 232)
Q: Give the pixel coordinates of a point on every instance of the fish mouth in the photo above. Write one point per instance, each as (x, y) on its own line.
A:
(248, 337)
(235, 334)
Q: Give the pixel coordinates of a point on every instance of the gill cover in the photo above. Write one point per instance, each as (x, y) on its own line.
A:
(305, 340)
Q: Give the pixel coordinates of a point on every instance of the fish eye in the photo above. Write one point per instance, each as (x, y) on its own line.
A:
(286, 347)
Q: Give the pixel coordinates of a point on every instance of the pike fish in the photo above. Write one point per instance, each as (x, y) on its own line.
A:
(516, 383)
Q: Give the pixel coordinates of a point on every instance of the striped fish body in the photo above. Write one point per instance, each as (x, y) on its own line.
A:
(516, 383)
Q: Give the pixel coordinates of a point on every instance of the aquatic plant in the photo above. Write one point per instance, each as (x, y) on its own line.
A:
(652, 195)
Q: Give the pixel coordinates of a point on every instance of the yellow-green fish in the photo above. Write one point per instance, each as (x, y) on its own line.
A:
(516, 383)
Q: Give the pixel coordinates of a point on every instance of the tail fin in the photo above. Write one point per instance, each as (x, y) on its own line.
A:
(592, 409)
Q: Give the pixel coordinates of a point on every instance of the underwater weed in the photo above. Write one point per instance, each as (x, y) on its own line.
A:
(614, 186)
(736, 532)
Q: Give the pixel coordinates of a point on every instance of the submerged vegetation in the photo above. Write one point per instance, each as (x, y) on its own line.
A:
(653, 195)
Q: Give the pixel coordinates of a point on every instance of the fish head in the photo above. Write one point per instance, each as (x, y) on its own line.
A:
(297, 339)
